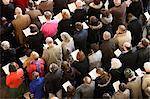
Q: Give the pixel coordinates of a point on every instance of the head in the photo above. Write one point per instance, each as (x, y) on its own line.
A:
(5, 2)
(147, 91)
(93, 21)
(65, 36)
(106, 96)
(94, 47)
(145, 42)
(96, 2)
(147, 67)
(129, 73)
(106, 35)
(66, 14)
(71, 91)
(115, 63)
(53, 68)
(34, 55)
(33, 28)
(48, 15)
(127, 46)
(78, 26)
(122, 87)
(99, 71)
(35, 75)
(5, 45)
(80, 56)
(121, 29)
(49, 40)
(66, 66)
(18, 11)
(13, 67)
(87, 80)
(79, 3)
(117, 2)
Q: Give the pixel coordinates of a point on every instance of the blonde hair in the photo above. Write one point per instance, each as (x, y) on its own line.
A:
(115, 63)
(66, 14)
(106, 35)
(48, 15)
(34, 55)
(65, 36)
(18, 11)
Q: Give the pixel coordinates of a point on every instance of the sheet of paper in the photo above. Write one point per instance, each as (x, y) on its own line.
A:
(117, 52)
(74, 54)
(58, 41)
(139, 72)
(22, 59)
(66, 84)
(85, 26)
(27, 32)
(106, 4)
(42, 19)
(116, 85)
(58, 17)
(72, 7)
(147, 15)
(6, 69)
(92, 73)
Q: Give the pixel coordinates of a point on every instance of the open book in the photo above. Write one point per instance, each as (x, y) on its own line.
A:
(147, 15)
(42, 19)
(74, 54)
(58, 41)
(139, 72)
(27, 32)
(92, 73)
(117, 52)
(72, 7)
(6, 69)
(116, 85)
(66, 84)
(58, 17)
(23, 59)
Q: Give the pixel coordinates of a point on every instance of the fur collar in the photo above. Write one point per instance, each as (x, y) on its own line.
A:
(96, 27)
(96, 6)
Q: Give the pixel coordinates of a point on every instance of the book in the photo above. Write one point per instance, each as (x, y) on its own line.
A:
(139, 72)
(23, 59)
(27, 32)
(117, 52)
(72, 7)
(6, 69)
(116, 85)
(66, 84)
(92, 73)
(58, 17)
(58, 41)
(85, 26)
(74, 54)
(147, 15)
(42, 19)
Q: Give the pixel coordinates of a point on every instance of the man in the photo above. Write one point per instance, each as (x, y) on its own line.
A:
(53, 53)
(49, 28)
(21, 22)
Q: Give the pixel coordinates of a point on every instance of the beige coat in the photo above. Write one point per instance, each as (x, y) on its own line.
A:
(21, 22)
(146, 81)
(34, 13)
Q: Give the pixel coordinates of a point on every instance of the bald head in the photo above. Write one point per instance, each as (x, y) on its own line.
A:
(106, 35)
(87, 80)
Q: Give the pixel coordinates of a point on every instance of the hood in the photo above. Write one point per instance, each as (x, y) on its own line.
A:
(96, 6)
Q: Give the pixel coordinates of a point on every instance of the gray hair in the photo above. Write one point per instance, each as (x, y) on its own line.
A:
(5, 45)
(49, 40)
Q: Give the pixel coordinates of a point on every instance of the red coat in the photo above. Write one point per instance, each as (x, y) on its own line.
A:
(21, 3)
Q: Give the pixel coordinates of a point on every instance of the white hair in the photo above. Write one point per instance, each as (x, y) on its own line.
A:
(65, 36)
(5, 45)
(49, 40)
(106, 35)
(147, 66)
(18, 11)
(115, 63)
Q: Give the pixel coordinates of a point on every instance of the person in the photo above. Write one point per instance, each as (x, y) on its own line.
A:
(134, 83)
(36, 86)
(36, 40)
(53, 53)
(136, 29)
(67, 45)
(102, 83)
(143, 50)
(147, 92)
(14, 81)
(119, 13)
(146, 30)
(36, 64)
(80, 37)
(107, 47)
(19, 23)
(7, 54)
(116, 71)
(49, 28)
(86, 90)
(65, 25)
(122, 93)
(122, 35)
(52, 81)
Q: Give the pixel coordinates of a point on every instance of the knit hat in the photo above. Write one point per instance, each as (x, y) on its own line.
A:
(129, 73)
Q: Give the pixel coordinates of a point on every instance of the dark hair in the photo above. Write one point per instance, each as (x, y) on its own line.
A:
(93, 21)
(12, 68)
(33, 28)
(79, 26)
(122, 87)
(96, 2)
